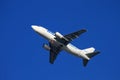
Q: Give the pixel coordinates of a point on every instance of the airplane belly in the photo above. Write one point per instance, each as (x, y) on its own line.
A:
(75, 51)
(71, 50)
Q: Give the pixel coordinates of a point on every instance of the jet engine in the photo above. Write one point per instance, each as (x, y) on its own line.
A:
(57, 34)
(46, 46)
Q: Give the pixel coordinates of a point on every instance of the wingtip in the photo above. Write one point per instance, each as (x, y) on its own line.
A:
(98, 52)
(85, 30)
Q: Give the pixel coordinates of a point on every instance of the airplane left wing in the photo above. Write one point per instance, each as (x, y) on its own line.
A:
(54, 51)
(74, 35)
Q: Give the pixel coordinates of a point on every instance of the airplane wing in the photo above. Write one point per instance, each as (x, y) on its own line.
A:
(54, 51)
(74, 35)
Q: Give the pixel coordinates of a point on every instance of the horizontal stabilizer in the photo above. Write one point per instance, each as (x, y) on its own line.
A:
(90, 55)
(85, 61)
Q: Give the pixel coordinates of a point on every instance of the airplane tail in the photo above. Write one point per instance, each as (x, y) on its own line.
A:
(89, 52)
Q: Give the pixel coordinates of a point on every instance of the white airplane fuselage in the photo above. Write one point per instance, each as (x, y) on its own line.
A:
(51, 37)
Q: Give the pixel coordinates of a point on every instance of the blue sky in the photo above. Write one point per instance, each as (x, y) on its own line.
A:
(22, 56)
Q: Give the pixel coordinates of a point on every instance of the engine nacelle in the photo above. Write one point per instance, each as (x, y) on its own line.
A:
(46, 46)
(57, 34)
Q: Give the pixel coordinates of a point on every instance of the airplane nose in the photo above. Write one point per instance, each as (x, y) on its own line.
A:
(34, 27)
(38, 28)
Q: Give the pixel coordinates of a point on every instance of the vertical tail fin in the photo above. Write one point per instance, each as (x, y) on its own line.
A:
(90, 55)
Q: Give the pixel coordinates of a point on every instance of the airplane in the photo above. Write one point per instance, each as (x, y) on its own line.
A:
(59, 42)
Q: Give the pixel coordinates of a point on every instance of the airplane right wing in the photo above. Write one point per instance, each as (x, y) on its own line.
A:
(74, 35)
(69, 37)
